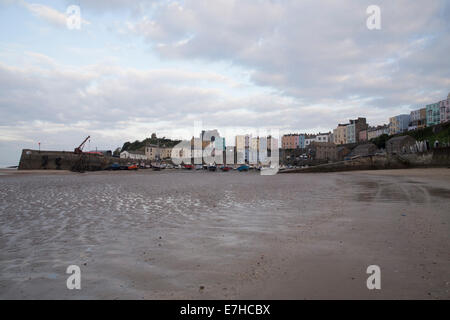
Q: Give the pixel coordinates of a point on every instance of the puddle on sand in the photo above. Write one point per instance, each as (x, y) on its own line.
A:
(439, 192)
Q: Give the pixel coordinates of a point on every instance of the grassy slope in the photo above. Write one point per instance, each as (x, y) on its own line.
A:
(439, 132)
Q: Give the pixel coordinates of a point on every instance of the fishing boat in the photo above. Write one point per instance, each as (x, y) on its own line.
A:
(244, 167)
(188, 166)
(212, 168)
(133, 167)
(198, 167)
(225, 168)
(114, 166)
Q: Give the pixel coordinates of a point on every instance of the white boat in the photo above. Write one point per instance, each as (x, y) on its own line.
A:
(269, 171)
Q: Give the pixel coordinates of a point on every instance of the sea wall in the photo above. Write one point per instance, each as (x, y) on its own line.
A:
(64, 160)
(439, 157)
(362, 163)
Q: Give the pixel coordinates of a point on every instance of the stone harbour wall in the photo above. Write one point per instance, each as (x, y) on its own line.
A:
(439, 157)
(64, 160)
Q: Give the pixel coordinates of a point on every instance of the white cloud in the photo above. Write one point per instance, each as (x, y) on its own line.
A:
(49, 14)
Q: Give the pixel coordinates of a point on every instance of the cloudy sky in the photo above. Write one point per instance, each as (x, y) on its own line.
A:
(137, 67)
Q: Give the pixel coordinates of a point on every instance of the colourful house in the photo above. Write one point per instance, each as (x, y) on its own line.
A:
(445, 109)
(433, 114)
(399, 123)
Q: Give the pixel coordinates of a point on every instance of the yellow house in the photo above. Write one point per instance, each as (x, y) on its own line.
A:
(340, 134)
(154, 152)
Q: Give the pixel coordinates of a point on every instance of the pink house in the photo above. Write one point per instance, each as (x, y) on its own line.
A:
(290, 141)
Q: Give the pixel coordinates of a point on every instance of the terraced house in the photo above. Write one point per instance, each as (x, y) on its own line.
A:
(324, 137)
(354, 128)
(340, 134)
(293, 141)
(374, 132)
(444, 109)
(399, 123)
(418, 119)
(433, 114)
(351, 134)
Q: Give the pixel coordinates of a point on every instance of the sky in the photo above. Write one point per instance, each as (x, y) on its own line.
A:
(138, 67)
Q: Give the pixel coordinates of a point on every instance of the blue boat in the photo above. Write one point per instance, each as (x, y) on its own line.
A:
(243, 168)
(114, 166)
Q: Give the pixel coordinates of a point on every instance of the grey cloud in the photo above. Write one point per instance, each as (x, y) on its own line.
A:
(315, 50)
(56, 100)
(318, 60)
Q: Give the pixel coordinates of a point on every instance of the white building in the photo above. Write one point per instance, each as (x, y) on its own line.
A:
(374, 132)
(444, 106)
(309, 139)
(324, 137)
(135, 155)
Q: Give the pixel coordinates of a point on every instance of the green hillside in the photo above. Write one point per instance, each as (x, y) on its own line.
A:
(140, 145)
(440, 132)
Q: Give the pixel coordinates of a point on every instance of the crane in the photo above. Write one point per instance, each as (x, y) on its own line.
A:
(79, 150)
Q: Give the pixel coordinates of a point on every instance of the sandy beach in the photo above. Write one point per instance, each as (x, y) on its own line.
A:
(215, 235)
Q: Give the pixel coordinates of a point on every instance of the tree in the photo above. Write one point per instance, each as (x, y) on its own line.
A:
(116, 152)
(125, 146)
(380, 141)
(140, 145)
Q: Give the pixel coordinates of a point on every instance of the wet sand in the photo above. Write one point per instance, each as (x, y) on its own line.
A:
(190, 235)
